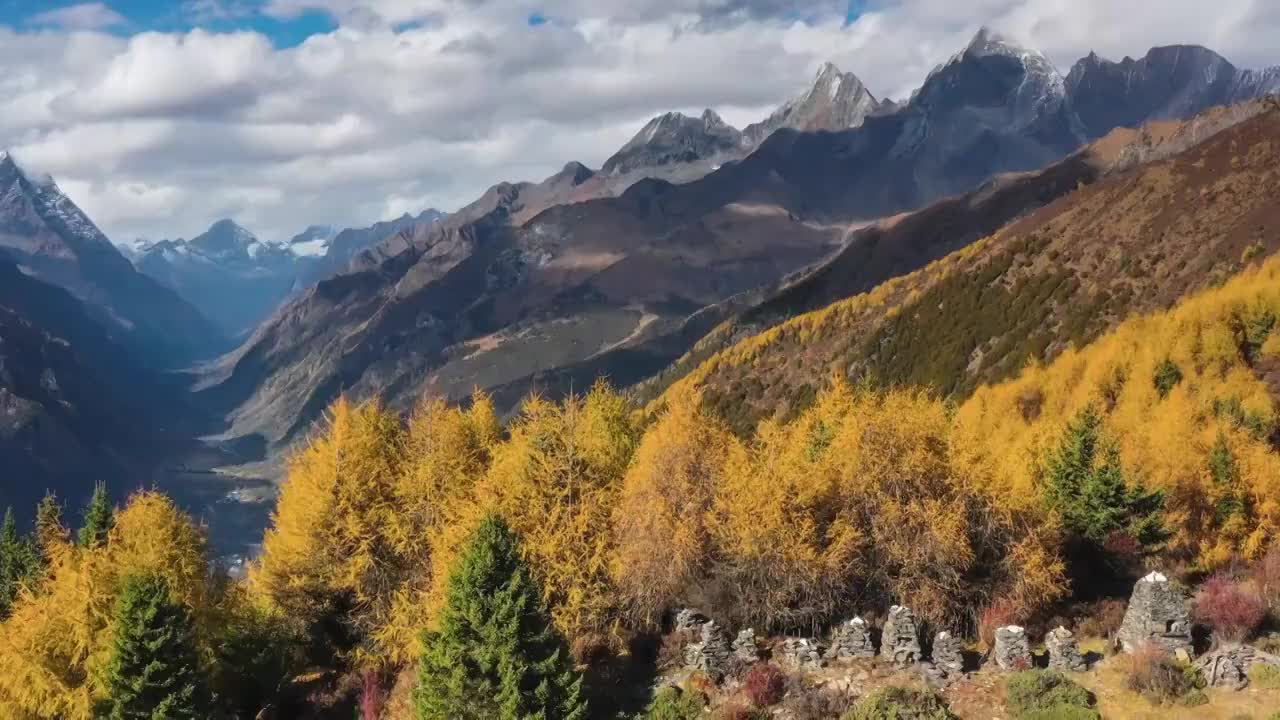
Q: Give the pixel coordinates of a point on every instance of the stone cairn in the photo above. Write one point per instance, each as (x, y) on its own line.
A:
(802, 652)
(947, 663)
(1157, 614)
(948, 653)
(1012, 651)
(1064, 651)
(712, 653)
(851, 640)
(1228, 667)
(900, 640)
(745, 648)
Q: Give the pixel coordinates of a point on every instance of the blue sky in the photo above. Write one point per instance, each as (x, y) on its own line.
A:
(174, 16)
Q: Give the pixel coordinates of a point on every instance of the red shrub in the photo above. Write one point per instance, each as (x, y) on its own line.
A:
(1233, 610)
(997, 615)
(764, 685)
(372, 696)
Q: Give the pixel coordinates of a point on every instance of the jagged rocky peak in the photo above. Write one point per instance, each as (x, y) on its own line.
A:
(835, 101)
(675, 138)
(574, 173)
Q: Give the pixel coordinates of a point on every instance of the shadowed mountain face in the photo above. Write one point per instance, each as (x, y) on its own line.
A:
(1169, 82)
(75, 407)
(674, 138)
(512, 294)
(44, 232)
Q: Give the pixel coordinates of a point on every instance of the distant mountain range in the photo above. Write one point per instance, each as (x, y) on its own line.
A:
(48, 237)
(550, 285)
(236, 279)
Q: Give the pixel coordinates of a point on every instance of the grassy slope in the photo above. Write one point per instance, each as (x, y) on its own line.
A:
(1134, 242)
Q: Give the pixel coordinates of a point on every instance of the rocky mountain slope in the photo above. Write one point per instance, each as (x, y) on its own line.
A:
(1169, 82)
(75, 407)
(1135, 240)
(621, 286)
(44, 232)
(836, 101)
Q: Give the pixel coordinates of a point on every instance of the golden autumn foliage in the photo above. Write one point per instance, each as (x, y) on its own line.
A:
(861, 502)
(660, 522)
(868, 497)
(329, 544)
(56, 644)
(1204, 438)
(556, 482)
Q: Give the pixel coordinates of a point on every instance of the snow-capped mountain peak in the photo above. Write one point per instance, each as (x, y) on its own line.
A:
(313, 242)
(46, 200)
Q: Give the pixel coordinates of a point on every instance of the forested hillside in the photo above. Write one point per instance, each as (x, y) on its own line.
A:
(1135, 241)
(1152, 445)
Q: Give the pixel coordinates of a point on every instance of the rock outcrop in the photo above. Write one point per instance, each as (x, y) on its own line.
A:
(1064, 651)
(1157, 615)
(745, 647)
(1229, 666)
(690, 619)
(1012, 651)
(900, 640)
(851, 640)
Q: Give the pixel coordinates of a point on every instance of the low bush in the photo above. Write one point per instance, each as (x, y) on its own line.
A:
(817, 704)
(764, 685)
(674, 704)
(1047, 693)
(671, 651)
(996, 615)
(1063, 712)
(1162, 680)
(897, 703)
(1233, 610)
(1102, 619)
(1266, 677)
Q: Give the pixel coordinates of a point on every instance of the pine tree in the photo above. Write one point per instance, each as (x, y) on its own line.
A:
(50, 532)
(98, 519)
(17, 562)
(1085, 483)
(154, 672)
(496, 654)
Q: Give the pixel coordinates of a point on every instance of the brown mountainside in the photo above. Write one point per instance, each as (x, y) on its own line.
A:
(1134, 241)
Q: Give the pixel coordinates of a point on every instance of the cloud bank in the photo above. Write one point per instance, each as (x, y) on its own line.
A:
(417, 103)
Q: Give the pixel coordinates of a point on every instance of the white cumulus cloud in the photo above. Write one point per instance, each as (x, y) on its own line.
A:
(416, 103)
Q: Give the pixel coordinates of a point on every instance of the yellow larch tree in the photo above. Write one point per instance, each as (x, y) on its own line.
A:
(663, 546)
(332, 541)
(54, 647)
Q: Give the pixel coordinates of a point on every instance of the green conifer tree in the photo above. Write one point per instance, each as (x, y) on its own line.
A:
(17, 562)
(496, 655)
(49, 528)
(1085, 483)
(154, 672)
(98, 519)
